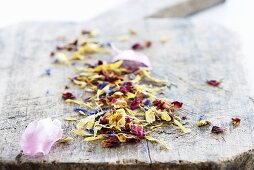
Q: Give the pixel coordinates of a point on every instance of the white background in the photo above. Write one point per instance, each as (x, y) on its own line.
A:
(237, 15)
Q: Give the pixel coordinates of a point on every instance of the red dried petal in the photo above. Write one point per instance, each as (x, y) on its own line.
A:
(133, 139)
(161, 104)
(217, 129)
(127, 123)
(236, 121)
(148, 44)
(104, 120)
(213, 82)
(177, 104)
(135, 103)
(137, 130)
(107, 76)
(100, 62)
(126, 87)
(68, 95)
(111, 142)
(137, 46)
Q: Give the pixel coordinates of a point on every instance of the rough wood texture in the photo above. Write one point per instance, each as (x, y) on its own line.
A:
(186, 8)
(192, 56)
(138, 9)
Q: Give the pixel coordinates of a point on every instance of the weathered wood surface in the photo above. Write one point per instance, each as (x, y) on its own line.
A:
(195, 53)
(133, 10)
(186, 8)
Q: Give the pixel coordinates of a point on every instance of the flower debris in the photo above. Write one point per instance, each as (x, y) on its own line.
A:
(123, 106)
(236, 121)
(214, 83)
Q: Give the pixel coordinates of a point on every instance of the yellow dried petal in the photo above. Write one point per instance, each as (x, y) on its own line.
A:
(104, 90)
(65, 139)
(165, 116)
(81, 132)
(164, 39)
(70, 119)
(88, 121)
(203, 123)
(96, 127)
(130, 111)
(184, 129)
(162, 142)
(117, 119)
(81, 84)
(150, 116)
(148, 76)
(121, 137)
(62, 58)
(79, 103)
(130, 95)
(94, 138)
(156, 126)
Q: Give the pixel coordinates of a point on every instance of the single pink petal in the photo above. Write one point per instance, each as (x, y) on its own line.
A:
(130, 55)
(39, 136)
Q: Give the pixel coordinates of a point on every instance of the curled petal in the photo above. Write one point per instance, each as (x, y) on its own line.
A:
(236, 121)
(217, 129)
(39, 136)
(130, 57)
(177, 104)
(213, 82)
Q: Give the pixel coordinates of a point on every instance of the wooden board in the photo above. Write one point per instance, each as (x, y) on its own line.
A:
(195, 53)
(133, 10)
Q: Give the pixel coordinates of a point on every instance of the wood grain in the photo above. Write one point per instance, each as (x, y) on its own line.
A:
(195, 53)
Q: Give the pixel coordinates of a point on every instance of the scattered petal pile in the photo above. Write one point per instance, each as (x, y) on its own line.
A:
(121, 108)
(122, 103)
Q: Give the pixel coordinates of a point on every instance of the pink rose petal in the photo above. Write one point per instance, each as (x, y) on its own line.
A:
(39, 136)
(130, 55)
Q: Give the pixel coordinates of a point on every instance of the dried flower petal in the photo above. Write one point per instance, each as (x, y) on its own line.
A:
(161, 104)
(217, 129)
(135, 104)
(132, 32)
(40, 135)
(130, 55)
(184, 129)
(165, 116)
(236, 121)
(148, 44)
(177, 104)
(65, 139)
(137, 46)
(150, 116)
(203, 123)
(70, 119)
(162, 142)
(68, 95)
(164, 39)
(111, 142)
(213, 82)
(137, 130)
